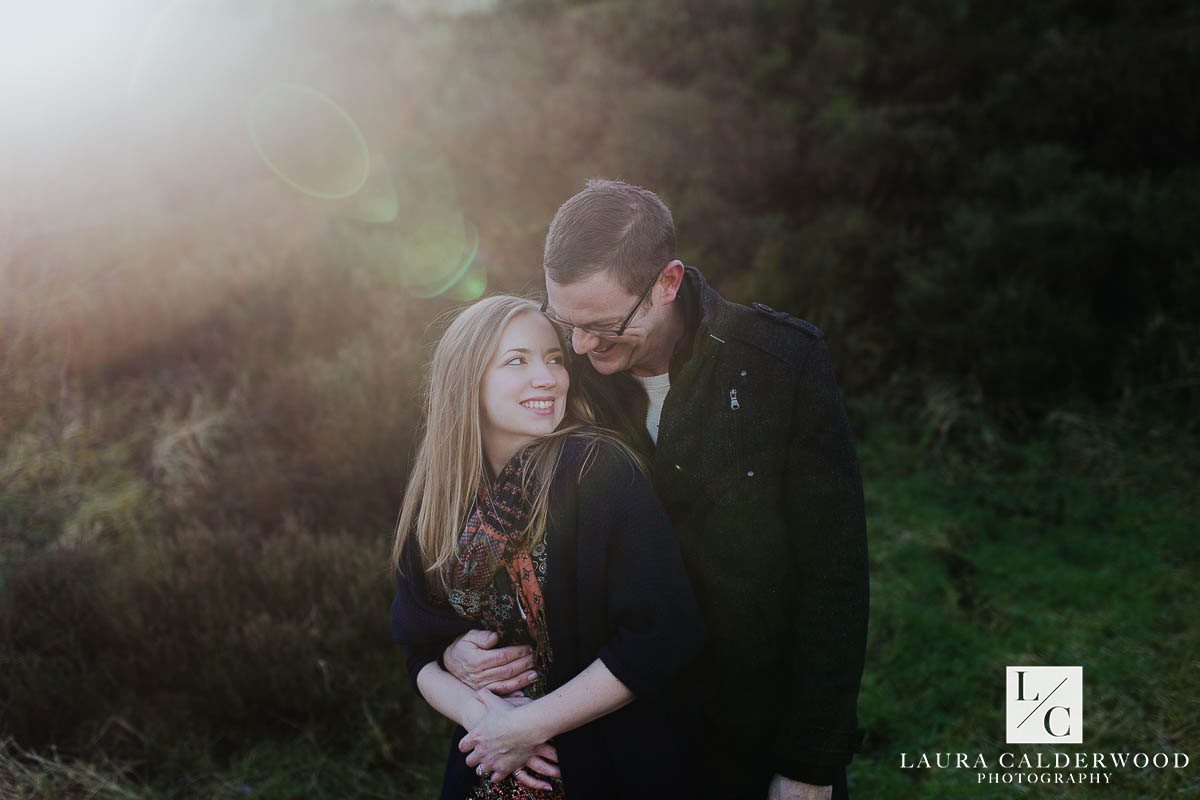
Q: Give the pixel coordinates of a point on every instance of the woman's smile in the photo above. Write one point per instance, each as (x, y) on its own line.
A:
(539, 405)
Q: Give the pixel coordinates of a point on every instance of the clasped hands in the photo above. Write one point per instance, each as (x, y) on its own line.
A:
(501, 742)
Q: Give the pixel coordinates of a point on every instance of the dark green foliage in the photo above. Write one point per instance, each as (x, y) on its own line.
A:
(998, 196)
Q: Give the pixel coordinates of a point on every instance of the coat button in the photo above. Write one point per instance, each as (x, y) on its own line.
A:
(749, 473)
(743, 373)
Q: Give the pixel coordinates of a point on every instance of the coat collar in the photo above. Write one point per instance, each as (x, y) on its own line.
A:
(712, 321)
(706, 318)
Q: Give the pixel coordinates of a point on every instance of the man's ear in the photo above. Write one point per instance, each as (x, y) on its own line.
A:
(670, 280)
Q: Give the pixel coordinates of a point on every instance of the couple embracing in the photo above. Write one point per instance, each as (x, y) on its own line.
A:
(631, 560)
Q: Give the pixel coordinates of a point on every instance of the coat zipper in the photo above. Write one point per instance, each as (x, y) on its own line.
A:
(735, 406)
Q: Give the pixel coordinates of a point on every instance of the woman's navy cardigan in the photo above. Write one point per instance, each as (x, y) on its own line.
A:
(616, 591)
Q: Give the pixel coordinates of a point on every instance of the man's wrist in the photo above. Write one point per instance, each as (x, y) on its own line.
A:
(444, 660)
(471, 710)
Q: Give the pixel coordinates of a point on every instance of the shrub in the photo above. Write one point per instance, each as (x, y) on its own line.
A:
(210, 638)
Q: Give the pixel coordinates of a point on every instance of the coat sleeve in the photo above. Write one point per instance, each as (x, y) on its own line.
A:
(422, 627)
(654, 623)
(819, 731)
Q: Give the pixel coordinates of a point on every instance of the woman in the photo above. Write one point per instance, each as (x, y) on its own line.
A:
(521, 518)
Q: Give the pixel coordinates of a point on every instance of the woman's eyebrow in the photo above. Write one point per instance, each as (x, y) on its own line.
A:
(526, 351)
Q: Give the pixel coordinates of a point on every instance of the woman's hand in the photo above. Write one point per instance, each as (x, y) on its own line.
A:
(544, 761)
(478, 709)
(500, 745)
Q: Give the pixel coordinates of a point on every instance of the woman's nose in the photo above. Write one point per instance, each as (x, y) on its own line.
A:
(543, 377)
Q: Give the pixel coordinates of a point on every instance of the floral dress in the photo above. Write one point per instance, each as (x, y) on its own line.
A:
(497, 582)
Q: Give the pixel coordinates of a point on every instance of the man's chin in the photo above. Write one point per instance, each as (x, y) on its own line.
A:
(607, 365)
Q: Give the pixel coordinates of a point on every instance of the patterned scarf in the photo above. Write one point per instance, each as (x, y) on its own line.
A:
(496, 579)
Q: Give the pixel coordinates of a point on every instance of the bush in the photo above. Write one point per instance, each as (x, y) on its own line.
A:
(204, 641)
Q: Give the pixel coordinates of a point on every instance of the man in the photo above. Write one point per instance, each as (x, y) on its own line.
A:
(754, 462)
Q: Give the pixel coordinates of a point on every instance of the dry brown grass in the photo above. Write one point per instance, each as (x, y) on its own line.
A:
(29, 776)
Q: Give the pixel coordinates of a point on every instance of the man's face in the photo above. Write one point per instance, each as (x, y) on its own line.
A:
(599, 301)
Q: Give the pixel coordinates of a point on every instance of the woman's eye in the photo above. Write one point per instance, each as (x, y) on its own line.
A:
(554, 360)
(515, 360)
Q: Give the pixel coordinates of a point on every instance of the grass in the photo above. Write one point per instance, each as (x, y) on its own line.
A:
(1077, 548)
(29, 776)
(253, 661)
(272, 770)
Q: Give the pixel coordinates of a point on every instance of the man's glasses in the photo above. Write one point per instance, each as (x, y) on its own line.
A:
(568, 328)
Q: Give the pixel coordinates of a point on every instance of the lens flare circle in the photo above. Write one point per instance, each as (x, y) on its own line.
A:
(472, 286)
(471, 249)
(309, 141)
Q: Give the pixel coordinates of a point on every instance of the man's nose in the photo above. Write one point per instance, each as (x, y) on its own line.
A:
(582, 341)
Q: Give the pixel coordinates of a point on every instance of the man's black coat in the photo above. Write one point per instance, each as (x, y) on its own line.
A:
(756, 467)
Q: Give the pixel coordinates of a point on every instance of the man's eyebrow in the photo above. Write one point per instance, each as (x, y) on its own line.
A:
(607, 323)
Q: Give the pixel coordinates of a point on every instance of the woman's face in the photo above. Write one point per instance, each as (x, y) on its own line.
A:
(523, 393)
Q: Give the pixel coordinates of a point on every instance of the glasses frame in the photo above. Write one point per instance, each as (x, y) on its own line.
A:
(602, 333)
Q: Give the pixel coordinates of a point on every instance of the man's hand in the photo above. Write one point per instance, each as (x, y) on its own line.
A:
(787, 789)
(503, 670)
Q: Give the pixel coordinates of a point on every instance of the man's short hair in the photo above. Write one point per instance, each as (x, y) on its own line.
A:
(610, 225)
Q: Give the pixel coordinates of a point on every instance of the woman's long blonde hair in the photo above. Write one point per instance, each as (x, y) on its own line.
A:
(450, 466)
